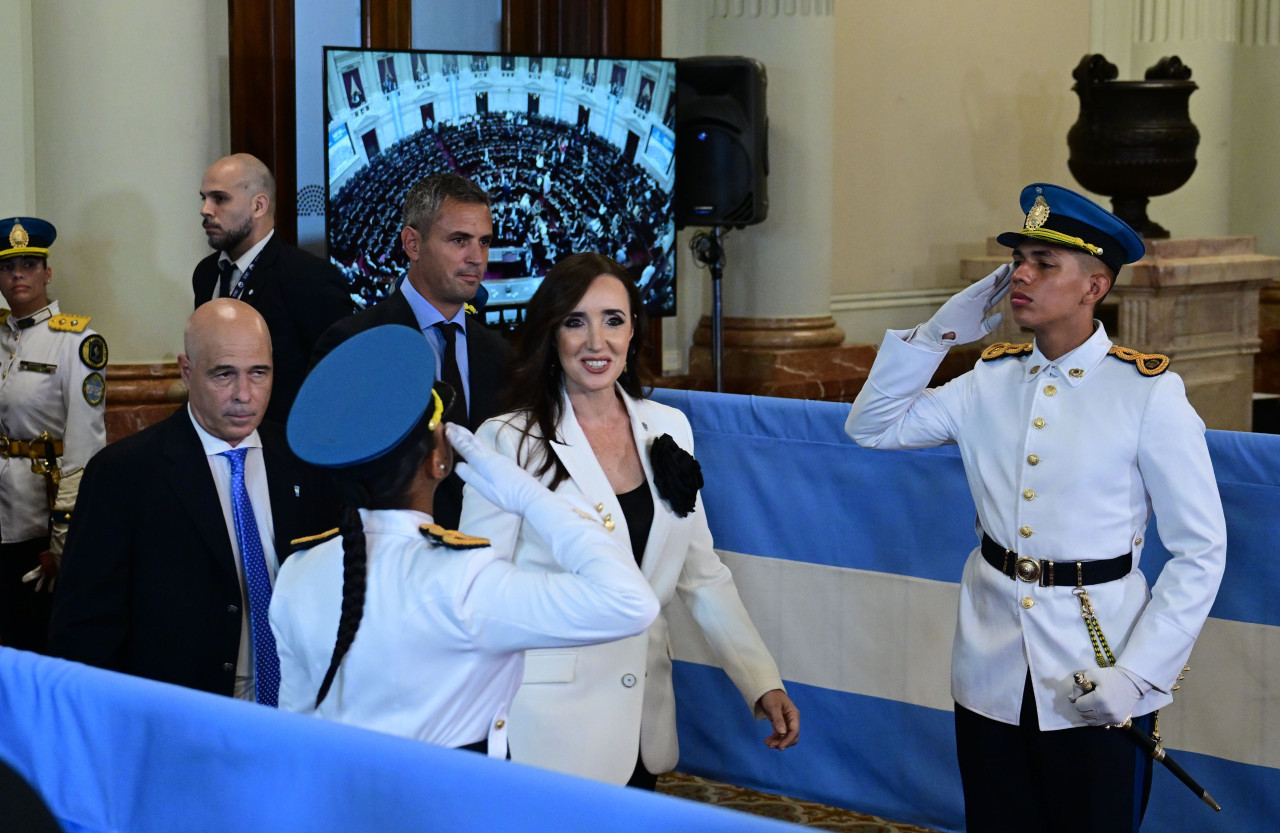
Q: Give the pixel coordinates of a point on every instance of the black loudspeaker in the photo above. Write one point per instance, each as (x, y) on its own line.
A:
(722, 142)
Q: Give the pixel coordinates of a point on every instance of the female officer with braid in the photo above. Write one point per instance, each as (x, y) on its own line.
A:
(431, 625)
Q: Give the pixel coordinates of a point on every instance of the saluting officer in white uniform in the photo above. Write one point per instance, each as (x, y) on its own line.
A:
(51, 423)
(431, 625)
(1069, 445)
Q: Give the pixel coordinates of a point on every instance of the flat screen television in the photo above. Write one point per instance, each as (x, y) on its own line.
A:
(577, 154)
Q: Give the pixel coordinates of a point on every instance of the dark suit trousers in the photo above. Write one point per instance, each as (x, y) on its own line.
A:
(24, 613)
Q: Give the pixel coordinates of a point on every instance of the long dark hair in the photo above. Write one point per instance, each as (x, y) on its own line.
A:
(383, 487)
(537, 379)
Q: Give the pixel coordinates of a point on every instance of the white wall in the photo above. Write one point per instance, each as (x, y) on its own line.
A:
(131, 106)
(943, 112)
(1255, 173)
(17, 124)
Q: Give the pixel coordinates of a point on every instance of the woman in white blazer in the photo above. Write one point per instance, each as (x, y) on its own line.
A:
(581, 424)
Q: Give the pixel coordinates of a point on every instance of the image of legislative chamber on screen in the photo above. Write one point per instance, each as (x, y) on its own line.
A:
(577, 154)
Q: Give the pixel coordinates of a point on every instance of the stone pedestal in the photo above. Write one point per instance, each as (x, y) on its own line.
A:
(798, 358)
(1194, 300)
(139, 395)
(1266, 367)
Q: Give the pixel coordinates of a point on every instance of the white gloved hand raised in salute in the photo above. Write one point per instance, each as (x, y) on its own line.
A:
(965, 316)
(498, 479)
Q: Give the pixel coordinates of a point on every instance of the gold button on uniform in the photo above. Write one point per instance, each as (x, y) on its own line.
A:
(1028, 602)
(1025, 532)
(1137, 542)
(1038, 422)
(499, 723)
(1050, 390)
(1029, 494)
(1033, 460)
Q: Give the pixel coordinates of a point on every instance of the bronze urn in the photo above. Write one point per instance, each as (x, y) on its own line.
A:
(1134, 139)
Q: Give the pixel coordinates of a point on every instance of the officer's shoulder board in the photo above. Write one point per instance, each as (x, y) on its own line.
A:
(4, 315)
(64, 323)
(451, 538)
(308, 541)
(1003, 349)
(1148, 364)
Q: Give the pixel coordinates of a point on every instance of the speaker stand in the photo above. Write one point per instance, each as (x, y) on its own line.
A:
(708, 250)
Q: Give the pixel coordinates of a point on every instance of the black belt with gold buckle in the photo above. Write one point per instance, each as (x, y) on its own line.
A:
(1055, 573)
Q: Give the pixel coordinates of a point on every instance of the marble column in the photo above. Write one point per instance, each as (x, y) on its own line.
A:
(779, 336)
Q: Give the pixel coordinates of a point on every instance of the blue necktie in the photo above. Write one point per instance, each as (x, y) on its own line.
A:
(266, 662)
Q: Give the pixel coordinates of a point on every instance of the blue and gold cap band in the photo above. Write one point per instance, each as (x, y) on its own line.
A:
(1064, 218)
(26, 237)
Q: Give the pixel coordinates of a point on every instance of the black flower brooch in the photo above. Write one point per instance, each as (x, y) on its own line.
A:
(676, 474)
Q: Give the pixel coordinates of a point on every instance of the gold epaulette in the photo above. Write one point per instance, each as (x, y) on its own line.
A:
(309, 541)
(4, 315)
(452, 538)
(64, 323)
(1148, 364)
(1001, 349)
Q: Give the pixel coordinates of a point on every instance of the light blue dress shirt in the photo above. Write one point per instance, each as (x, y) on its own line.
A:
(428, 316)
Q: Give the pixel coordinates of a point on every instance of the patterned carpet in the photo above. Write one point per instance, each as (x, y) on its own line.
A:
(806, 813)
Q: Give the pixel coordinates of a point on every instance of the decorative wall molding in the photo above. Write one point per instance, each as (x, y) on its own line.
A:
(892, 299)
(1259, 22)
(1185, 21)
(759, 9)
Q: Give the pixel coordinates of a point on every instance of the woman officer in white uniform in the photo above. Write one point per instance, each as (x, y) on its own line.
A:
(51, 423)
(430, 624)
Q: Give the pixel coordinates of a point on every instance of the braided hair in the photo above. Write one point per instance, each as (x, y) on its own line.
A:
(384, 488)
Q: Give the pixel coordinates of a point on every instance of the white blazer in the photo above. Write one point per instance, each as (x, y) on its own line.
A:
(585, 711)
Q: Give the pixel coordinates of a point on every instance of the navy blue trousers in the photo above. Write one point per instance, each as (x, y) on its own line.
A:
(1018, 778)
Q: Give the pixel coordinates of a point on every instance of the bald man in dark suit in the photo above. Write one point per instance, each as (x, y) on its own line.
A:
(155, 573)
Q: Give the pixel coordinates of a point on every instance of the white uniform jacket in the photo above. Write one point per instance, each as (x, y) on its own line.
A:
(438, 654)
(1066, 461)
(47, 383)
(585, 711)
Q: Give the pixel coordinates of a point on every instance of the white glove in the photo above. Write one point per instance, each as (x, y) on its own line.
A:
(50, 564)
(498, 479)
(1115, 694)
(963, 318)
